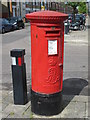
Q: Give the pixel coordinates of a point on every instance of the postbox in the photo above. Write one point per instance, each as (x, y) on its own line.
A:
(47, 48)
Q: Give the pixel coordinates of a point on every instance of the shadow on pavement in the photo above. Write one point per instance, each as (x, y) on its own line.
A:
(72, 87)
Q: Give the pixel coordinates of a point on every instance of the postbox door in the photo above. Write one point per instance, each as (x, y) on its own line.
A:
(55, 64)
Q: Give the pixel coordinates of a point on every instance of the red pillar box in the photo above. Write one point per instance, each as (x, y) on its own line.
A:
(47, 46)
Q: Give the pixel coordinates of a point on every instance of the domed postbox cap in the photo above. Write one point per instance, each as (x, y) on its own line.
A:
(46, 17)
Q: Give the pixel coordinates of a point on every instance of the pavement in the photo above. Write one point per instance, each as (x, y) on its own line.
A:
(75, 37)
(75, 78)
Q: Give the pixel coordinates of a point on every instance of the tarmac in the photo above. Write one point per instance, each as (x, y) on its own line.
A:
(75, 105)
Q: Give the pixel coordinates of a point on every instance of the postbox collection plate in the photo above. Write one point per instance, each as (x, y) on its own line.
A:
(52, 47)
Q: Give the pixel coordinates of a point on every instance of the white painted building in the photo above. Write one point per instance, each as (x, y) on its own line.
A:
(23, 9)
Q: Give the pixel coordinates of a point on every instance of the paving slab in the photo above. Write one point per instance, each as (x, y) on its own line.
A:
(4, 93)
(75, 98)
(78, 37)
(15, 111)
(6, 100)
(74, 110)
(28, 113)
(87, 107)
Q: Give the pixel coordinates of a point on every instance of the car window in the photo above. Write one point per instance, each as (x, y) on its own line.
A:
(5, 21)
(19, 18)
(13, 19)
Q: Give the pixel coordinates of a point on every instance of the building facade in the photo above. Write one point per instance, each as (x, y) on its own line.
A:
(5, 9)
(17, 8)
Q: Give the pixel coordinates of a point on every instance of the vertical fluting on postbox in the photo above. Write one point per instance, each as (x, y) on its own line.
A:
(47, 43)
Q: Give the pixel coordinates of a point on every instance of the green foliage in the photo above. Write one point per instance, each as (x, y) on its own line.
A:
(73, 4)
(82, 7)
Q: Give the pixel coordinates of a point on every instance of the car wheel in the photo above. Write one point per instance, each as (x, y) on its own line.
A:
(12, 29)
(18, 28)
(3, 30)
(23, 27)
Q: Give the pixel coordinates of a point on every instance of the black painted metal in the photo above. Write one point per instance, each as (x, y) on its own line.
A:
(17, 52)
(19, 84)
(46, 104)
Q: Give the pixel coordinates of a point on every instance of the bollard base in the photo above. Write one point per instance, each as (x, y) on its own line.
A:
(46, 104)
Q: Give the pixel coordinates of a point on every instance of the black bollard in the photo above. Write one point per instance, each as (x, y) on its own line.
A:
(19, 76)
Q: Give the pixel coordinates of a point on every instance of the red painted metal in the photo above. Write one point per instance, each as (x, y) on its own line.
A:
(46, 70)
(46, 17)
(19, 61)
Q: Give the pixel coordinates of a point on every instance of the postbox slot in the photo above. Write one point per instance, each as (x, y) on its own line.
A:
(53, 33)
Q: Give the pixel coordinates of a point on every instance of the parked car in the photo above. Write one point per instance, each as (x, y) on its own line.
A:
(5, 25)
(17, 22)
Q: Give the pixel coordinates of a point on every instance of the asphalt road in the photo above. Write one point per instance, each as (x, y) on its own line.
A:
(12, 40)
(75, 56)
